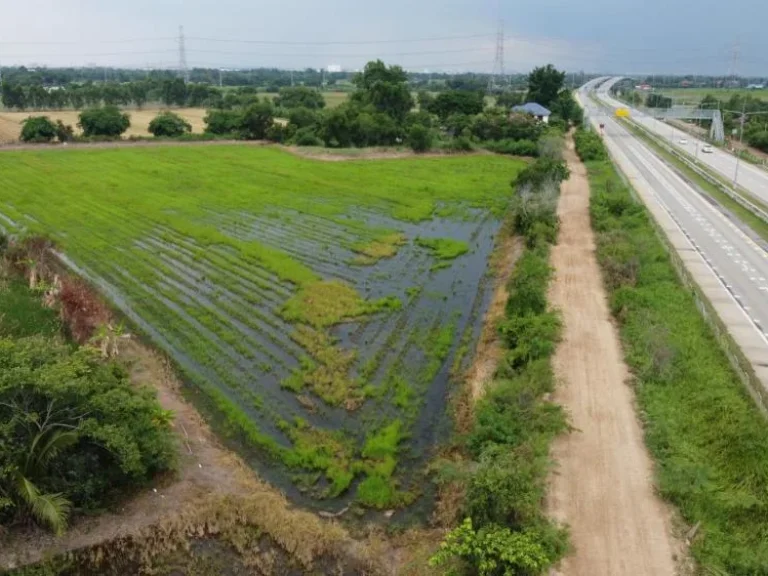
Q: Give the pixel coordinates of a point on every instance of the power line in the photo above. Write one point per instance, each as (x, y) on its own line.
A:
(337, 42)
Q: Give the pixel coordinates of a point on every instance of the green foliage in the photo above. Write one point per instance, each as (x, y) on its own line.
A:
(541, 172)
(505, 531)
(457, 102)
(509, 99)
(499, 124)
(444, 248)
(21, 314)
(424, 99)
(589, 146)
(514, 147)
(38, 129)
(494, 551)
(385, 88)
(300, 97)
(222, 121)
(74, 429)
(306, 136)
(302, 117)
(420, 138)
(256, 120)
(106, 121)
(658, 101)
(169, 125)
(64, 132)
(707, 436)
(544, 85)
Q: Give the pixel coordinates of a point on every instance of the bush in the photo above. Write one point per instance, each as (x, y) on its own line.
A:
(514, 147)
(64, 132)
(589, 146)
(543, 170)
(306, 137)
(300, 97)
(276, 133)
(256, 119)
(169, 125)
(106, 121)
(302, 117)
(420, 138)
(37, 129)
(223, 121)
(102, 433)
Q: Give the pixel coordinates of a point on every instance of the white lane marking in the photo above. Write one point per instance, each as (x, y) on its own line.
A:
(763, 335)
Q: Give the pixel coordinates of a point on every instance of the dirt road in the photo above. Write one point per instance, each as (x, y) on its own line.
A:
(602, 486)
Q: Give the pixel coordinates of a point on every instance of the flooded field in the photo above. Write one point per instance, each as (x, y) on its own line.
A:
(318, 311)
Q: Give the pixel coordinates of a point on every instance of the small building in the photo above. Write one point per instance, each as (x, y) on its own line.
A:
(534, 109)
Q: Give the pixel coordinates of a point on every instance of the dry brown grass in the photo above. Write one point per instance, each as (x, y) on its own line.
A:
(10, 122)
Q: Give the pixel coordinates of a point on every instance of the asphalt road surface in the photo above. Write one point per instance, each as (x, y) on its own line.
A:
(713, 240)
(749, 177)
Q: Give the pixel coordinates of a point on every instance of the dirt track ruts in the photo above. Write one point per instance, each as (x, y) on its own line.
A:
(602, 485)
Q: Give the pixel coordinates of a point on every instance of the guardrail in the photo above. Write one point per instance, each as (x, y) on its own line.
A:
(696, 167)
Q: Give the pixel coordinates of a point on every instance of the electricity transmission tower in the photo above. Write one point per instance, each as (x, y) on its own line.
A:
(498, 80)
(183, 70)
(735, 55)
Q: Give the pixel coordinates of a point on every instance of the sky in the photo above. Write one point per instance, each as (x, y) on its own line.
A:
(616, 36)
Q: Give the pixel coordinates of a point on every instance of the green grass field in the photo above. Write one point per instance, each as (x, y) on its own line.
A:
(316, 308)
(695, 95)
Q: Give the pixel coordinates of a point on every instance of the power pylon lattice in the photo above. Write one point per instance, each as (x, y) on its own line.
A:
(183, 70)
(498, 79)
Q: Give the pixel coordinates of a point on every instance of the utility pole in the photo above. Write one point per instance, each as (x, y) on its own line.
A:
(220, 80)
(183, 71)
(291, 78)
(741, 138)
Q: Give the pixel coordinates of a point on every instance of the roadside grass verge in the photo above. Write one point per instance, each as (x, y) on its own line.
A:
(504, 529)
(709, 440)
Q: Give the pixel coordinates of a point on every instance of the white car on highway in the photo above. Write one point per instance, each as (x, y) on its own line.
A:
(683, 142)
(707, 149)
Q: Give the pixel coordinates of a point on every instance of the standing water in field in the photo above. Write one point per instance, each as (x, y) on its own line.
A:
(318, 323)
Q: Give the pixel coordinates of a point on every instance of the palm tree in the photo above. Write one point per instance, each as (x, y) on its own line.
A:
(49, 438)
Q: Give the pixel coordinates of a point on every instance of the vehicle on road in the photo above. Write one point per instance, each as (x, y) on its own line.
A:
(707, 149)
(683, 141)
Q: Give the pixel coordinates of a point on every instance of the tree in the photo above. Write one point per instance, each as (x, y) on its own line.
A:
(38, 129)
(174, 92)
(658, 101)
(256, 120)
(64, 132)
(425, 99)
(74, 429)
(14, 96)
(222, 121)
(139, 92)
(106, 121)
(302, 117)
(300, 97)
(385, 88)
(544, 84)
(508, 99)
(457, 102)
(169, 124)
(419, 138)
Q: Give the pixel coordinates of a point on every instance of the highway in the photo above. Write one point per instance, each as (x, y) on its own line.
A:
(750, 177)
(728, 266)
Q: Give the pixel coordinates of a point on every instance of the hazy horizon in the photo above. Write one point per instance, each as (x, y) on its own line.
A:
(428, 35)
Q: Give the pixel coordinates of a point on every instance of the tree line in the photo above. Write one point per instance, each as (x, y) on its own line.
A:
(381, 111)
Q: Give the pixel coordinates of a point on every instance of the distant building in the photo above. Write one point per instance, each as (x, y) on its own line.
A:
(534, 109)
(756, 87)
(644, 87)
(333, 68)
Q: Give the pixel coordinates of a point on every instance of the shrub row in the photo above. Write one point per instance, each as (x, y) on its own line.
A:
(708, 438)
(505, 530)
(75, 432)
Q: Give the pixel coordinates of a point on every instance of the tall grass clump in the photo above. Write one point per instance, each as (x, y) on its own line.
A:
(709, 440)
(504, 529)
